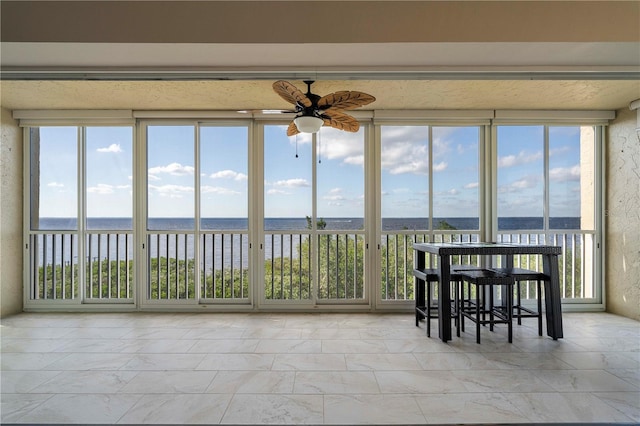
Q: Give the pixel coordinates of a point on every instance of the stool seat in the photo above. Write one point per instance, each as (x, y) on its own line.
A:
(427, 309)
(519, 311)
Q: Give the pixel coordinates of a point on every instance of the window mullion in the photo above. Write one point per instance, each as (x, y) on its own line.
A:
(81, 215)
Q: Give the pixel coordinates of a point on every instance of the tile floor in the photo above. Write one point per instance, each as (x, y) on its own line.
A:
(312, 369)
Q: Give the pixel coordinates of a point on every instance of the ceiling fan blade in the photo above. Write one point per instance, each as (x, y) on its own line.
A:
(341, 121)
(345, 100)
(291, 93)
(292, 129)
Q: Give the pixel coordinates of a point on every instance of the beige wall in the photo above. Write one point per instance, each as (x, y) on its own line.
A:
(10, 215)
(623, 216)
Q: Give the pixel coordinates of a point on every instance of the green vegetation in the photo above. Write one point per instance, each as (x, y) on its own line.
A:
(340, 260)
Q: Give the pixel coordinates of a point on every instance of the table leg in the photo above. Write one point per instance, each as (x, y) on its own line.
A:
(553, 296)
(444, 299)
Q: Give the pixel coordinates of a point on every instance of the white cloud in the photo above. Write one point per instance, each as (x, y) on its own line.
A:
(274, 191)
(218, 190)
(228, 174)
(292, 183)
(471, 185)
(405, 157)
(530, 181)
(439, 167)
(171, 191)
(339, 145)
(174, 169)
(516, 160)
(101, 188)
(563, 174)
(114, 147)
(55, 185)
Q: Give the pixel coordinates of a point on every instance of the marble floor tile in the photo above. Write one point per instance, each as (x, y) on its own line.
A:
(284, 346)
(502, 380)
(236, 362)
(222, 346)
(274, 409)
(273, 333)
(528, 361)
(12, 344)
(565, 407)
(364, 346)
(214, 333)
(456, 361)
(630, 375)
(23, 381)
(418, 382)
(335, 382)
(600, 360)
(627, 403)
(15, 405)
(584, 381)
(152, 382)
(330, 333)
(164, 362)
(89, 361)
(160, 346)
(29, 361)
(300, 368)
(91, 381)
(80, 408)
(253, 381)
(309, 362)
(177, 409)
(417, 345)
(397, 362)
(371, 409)
(490, 407)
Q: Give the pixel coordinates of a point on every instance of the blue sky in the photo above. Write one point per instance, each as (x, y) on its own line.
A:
(224, 172)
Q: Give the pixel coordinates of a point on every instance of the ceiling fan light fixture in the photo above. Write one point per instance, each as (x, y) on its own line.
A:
(308, 123)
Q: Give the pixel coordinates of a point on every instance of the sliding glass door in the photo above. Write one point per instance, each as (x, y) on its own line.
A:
(314, 214)
(196, 229)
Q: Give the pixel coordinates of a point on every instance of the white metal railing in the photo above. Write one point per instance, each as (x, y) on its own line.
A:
(110, 266)
(576, 263)
(54, 267)
(224, 265)
(397, 258)
(170, 266)
(287, 267)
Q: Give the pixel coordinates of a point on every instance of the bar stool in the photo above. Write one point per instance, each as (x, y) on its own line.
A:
(476, 310)
(520, 275)
(424, 279)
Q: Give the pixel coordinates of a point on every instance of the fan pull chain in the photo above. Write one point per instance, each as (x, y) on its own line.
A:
(296, 145)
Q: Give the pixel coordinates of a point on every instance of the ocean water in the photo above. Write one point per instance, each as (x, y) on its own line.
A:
(278, 240)
(289, 224)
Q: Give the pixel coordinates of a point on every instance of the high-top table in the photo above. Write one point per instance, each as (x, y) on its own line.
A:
(444, 251)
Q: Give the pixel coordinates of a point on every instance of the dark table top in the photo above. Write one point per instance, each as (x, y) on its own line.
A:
(485, 248)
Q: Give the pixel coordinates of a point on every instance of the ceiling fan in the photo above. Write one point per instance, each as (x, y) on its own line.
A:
(313, 111)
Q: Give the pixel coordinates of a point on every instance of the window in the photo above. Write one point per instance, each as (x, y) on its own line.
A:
(547, 194)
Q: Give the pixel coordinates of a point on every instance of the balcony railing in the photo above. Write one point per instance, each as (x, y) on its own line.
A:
(397, 259)
(339, 264)
(224, 265)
